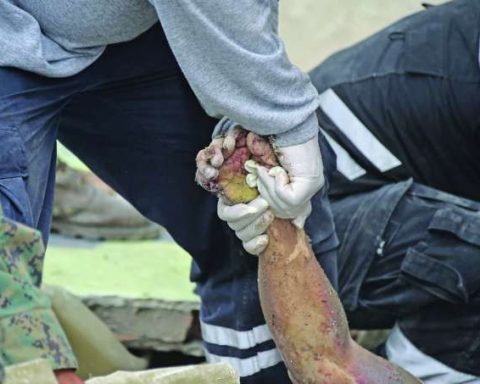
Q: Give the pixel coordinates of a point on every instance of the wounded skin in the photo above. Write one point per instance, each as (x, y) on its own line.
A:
(302, 310)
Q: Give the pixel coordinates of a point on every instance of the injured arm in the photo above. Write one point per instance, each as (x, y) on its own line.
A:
(301, 308)
(307, 320)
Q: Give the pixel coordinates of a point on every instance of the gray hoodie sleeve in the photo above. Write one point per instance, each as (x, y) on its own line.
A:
(235, 62)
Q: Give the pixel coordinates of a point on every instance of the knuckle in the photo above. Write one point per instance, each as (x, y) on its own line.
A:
(240, 235)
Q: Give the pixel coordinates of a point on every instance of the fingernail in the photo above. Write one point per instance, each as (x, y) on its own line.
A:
(229, 143)
(210, 173)
(217, 160)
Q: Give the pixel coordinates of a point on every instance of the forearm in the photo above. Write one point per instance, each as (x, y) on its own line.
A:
(235, 62)
(307, 319)
(301, 308)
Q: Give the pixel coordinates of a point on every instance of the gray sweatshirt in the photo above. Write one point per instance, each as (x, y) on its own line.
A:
(229, 51)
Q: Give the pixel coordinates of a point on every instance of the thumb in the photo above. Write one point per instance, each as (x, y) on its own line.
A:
(281, 178)
(300, 220)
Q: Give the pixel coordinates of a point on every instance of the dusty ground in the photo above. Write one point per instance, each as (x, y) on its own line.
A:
(313, 29)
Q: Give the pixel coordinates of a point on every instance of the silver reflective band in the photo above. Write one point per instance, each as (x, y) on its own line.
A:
(215, 334)
(403, 353)
(356, 132)
(345, 164)
(250, 365)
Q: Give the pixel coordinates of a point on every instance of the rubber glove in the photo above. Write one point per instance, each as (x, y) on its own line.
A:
(249, 221)
(289, 188)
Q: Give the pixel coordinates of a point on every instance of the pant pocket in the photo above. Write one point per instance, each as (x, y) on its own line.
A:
(447, 263)
(14, 199)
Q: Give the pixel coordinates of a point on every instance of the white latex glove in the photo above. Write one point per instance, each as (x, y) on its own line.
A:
(289, 188)
(249, 221)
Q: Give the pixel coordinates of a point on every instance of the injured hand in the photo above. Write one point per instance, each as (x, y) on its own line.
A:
(244, 211)
(286, 189)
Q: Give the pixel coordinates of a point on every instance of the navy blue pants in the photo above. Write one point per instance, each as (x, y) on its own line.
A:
(405, 103)
(410, 255)
(133, 119)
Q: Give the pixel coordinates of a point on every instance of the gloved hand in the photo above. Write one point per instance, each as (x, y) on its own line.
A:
(289, 188)
(288, 194)
(249, 221)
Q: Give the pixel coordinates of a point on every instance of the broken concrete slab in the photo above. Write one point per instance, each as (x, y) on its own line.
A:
(98, 350)
(36, 371)
(149, 324)
(39, 372)
(194, 374)
(141, 290)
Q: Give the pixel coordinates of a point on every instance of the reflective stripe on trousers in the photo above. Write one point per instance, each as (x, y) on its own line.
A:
(358, 135)
(242, 340)
(403, 353)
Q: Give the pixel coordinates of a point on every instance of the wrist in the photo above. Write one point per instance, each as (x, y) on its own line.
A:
(299, 134)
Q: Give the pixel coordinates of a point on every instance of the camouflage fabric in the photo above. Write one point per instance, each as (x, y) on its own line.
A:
(2, 371)
(30, 329)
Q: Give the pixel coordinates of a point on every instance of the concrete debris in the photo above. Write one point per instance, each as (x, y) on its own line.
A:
(37, 371)
(194, 374)
(149, 324)
(97, 349)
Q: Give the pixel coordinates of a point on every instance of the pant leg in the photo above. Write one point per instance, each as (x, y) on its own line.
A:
(139, 127)
(406, 103)
(29, 108)
(420, 271)
(141, 135)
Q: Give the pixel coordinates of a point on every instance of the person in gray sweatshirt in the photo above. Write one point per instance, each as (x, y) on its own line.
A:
(136, 88)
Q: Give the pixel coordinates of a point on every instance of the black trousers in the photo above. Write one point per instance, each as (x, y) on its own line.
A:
(410, 255)
(405, 103)
(415, 87)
